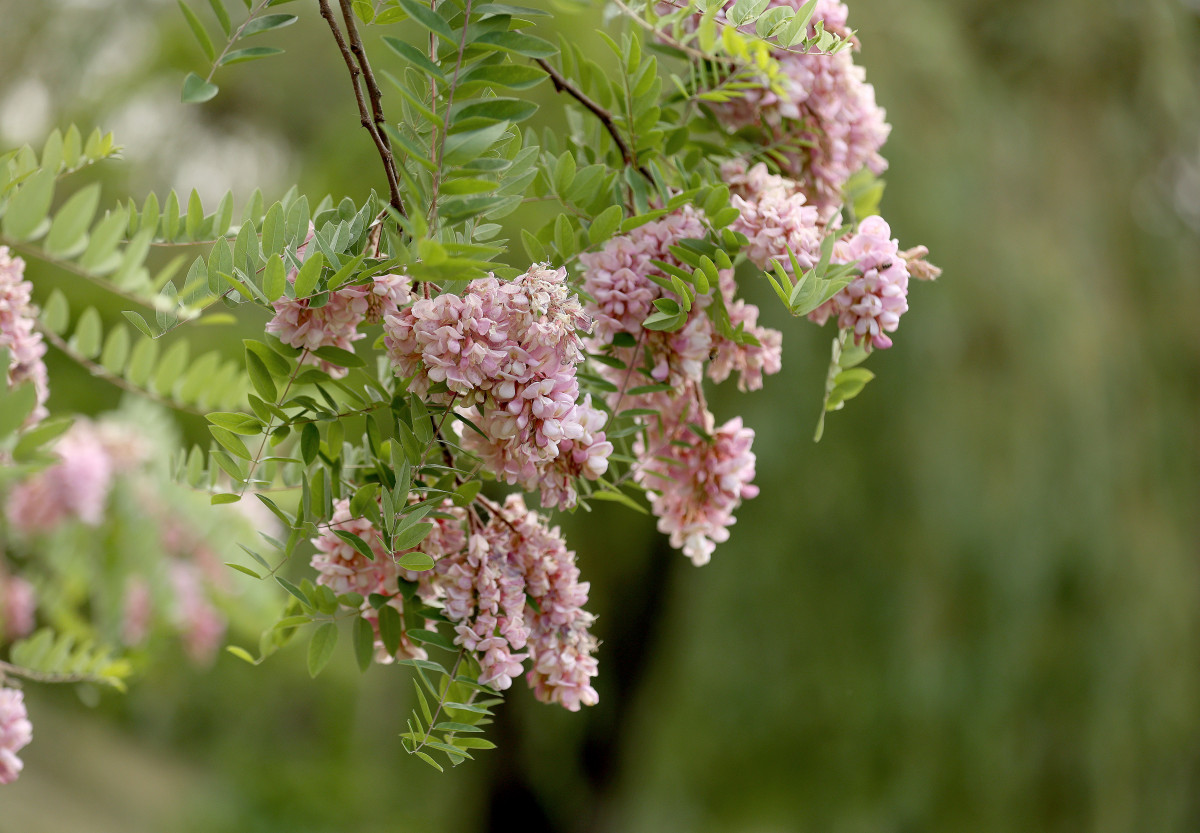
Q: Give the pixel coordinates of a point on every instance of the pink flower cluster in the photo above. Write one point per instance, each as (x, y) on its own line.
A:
(511, 587)
(343, 569)
(17, 333)
(622, 269)
(695, 480)
(201, 624)
(775, 216)
(77, 486)
(299, 323)
(18, 604)
(15, 733)
(825, 104)
(872, 303)
(516, 588)
(507, 353)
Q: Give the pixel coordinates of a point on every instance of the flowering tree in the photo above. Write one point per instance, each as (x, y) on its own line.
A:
(416, 383)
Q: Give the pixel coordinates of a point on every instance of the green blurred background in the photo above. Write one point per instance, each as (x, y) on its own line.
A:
(974, 606)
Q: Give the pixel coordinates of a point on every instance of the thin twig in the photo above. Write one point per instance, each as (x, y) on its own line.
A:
(376, 98)
(562, 85)
(365, 116)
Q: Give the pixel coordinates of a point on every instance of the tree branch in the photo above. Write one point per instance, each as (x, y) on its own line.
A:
(371, 118)
(562, 85)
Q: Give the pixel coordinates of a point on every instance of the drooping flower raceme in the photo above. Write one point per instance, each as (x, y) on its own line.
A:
(18, 605)
(696, 475)
(872, 303)
(17, 333)
(516, 595)
(775, 216)
(15, 733)
(507, 354)
(824, 104)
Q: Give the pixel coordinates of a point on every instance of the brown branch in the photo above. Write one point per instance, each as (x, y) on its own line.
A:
(562, 85)
(370, 122)
(373, 93)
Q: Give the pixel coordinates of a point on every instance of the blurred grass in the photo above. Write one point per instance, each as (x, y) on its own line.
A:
(975, 605)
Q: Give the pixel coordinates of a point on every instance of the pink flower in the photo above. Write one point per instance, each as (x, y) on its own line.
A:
(825, 105)
(75, 487)
(15, 733)
(343, 569)
(301, 322)
(872, 303)
(137, 612)
(202, 625)
(775, 217)
(696, 481)
(17, 332)
(18, 604)
(516, 588)
(507, 354)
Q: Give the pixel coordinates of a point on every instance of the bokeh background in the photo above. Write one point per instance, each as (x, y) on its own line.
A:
(975, 605)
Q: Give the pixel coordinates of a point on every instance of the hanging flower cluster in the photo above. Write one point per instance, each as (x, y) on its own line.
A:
(506, 353)
(516, 588)
(17, 333)
(823, 104)
(15, 733)
(511, 586)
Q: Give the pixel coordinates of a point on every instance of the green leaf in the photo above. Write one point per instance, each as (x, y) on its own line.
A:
(56, 313)
(363, 548)
(564, 172)
(231, 441)
(274, 278)
(509, 76)
(260, 377)
(518, 43)
(416, 560)
(29, 206)
(268, 22)
(364, 643)
(199, 31)
(340, 357)
(414, 56)
(462, 147)
(237, 423)
(409, 538)
(621, 498)
(88, 333)
(253, 53)
(242, 569)
(222, 16)
(241, 653)
(309, 274)
(390, 629)
(70, 225)
(218, 499)
(430, 19)
(116, 350)
(320, 648)
(136, 320)
(606, 222)
(17, 404)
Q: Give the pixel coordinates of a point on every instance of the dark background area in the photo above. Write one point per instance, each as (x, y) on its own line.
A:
(975, 605)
